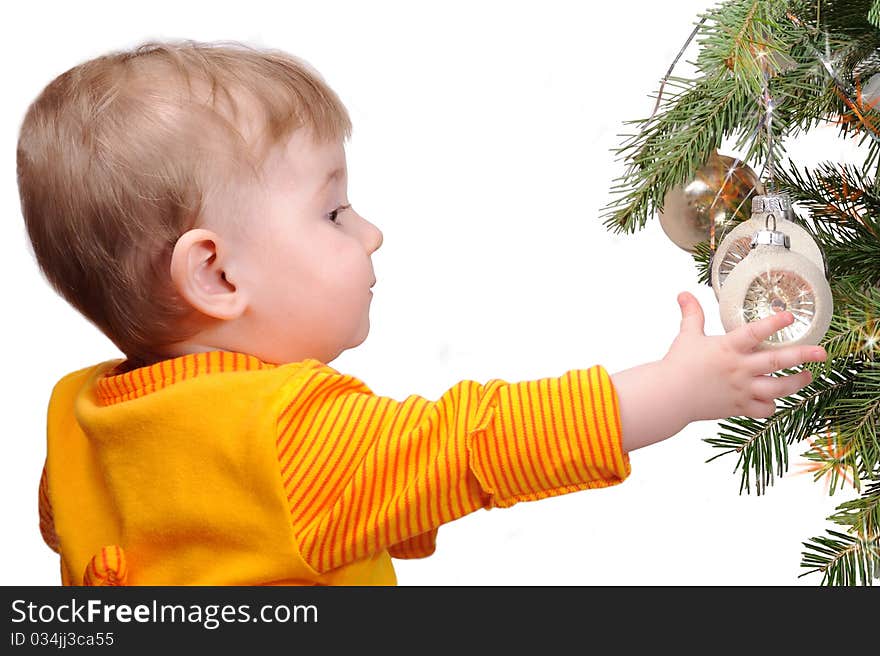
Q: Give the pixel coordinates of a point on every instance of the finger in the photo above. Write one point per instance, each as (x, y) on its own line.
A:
(760, 408)
(692, 319)
(747, 337)
(768, 388)
(765, 362)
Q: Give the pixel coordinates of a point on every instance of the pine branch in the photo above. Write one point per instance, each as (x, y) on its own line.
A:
(838, 195)
(848, 17)
(861, 515)
(762, 444)
(849, 44)
(855, 419)
(725, 101)
(670, 148)
(703, 259)
(853, 558)
(732, 37)
(843, 559)
(854, 331)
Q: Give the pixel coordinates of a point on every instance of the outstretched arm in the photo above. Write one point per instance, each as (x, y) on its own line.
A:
(364, 472)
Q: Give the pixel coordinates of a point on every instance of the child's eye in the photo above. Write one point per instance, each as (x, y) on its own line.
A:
(335, 213)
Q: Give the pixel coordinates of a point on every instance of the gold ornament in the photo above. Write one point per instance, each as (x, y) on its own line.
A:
(705, 208)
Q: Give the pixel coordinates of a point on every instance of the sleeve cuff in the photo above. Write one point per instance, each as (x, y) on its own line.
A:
(550, 436)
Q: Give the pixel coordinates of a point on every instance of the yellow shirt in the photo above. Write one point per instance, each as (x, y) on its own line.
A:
(220, 469)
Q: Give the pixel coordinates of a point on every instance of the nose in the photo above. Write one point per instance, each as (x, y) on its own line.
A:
(376, 238)
(369, 234)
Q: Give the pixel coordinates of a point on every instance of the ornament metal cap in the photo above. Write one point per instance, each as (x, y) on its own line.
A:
(770, 237)
(779, 203)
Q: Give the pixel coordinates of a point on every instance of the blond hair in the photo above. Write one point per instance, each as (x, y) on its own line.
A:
(120, 155)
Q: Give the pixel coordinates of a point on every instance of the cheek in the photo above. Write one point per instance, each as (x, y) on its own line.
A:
(341, 254)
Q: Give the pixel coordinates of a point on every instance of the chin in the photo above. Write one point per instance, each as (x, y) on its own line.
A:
(363, 339)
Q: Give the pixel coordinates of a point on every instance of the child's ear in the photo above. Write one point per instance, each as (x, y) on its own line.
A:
(197, 270)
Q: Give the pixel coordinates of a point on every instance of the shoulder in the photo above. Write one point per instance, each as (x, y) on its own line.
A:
(76, 379)
(314, 375)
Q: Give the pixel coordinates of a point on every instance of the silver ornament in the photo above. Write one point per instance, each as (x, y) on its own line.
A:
(773, 278)
(735, 245)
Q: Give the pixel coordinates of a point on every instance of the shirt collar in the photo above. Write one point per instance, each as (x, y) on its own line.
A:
(114, 387)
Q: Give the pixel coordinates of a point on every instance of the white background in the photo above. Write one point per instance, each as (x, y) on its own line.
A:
(482, 149)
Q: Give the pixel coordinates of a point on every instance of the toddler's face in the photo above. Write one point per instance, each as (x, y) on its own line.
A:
(304, 257)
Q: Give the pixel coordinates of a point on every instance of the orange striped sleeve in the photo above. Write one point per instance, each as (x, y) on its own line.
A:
(552, 436)
(363, 473)
(47, 523)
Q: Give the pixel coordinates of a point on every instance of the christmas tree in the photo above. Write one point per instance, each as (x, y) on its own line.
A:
(767, 72)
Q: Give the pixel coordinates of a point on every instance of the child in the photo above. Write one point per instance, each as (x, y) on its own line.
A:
(190, 200)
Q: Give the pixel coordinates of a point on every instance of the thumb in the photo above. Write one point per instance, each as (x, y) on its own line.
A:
(692, 320)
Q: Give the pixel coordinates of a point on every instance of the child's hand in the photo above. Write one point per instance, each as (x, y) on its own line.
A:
(724, 376)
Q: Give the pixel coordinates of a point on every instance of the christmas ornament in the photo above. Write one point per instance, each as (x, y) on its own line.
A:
(870, 93)
(773, 278)
(705, 208)
(737, 243)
